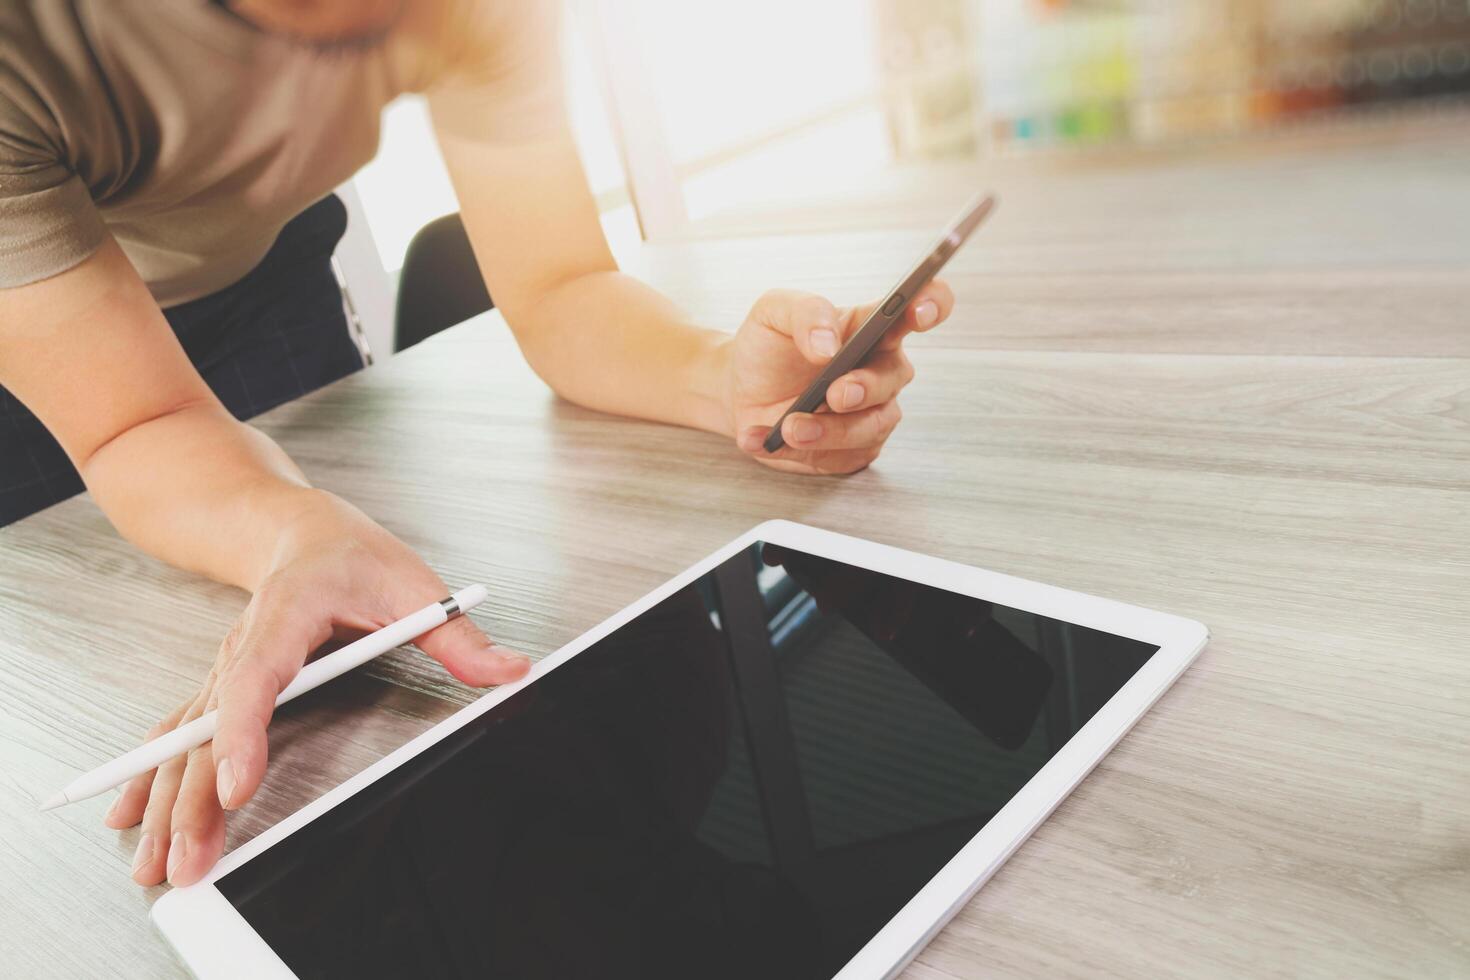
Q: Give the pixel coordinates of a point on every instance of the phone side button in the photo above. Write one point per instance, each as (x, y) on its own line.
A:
(894, 304)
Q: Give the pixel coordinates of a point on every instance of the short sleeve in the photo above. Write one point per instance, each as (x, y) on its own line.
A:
(500, 73)
(48, 223)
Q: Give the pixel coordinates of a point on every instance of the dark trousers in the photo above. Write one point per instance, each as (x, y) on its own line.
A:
(271, 337)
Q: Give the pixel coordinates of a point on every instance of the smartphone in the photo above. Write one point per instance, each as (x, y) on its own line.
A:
(888, 312)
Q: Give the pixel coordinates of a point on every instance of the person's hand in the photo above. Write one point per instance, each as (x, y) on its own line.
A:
(783, 345)
(334, 570)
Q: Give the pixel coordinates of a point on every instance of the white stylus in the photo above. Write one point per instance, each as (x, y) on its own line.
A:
(151, 755)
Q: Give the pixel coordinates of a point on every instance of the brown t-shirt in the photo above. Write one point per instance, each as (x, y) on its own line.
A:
(192, 137)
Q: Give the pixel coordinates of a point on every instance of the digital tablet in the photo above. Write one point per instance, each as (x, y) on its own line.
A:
(797, 759)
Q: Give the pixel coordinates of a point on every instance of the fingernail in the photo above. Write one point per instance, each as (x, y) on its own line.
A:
(853, 394)
(509, 656)
(750, 440)
(225, 781)
(144, 853)
(824, 342)
(806, 430)
(112, 809)
(926, 313)
(177, 849)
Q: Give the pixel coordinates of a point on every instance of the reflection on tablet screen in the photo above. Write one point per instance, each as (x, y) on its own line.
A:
(748, 780)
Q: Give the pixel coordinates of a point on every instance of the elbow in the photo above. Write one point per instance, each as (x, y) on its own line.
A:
(89, 456)
(548, 343)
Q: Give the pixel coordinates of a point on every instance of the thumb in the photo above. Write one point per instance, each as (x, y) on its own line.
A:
(468, 654)
(811, 321)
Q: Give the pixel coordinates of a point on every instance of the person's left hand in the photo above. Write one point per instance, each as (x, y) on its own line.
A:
(783, 345)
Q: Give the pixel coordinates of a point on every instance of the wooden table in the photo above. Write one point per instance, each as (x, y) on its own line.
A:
(1234, 387)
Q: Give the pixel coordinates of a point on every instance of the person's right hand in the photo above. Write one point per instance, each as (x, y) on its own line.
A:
(334, 569)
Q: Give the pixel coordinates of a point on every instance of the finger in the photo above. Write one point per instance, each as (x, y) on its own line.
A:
(843, 463)
(930, 307)
(196, 823)
(149, 860)
(269, 651)
(864, 429)
(791, 460)
(128, 808)
(878, 381)
(468, 654)
(240, 752)
(152, 853)
(811, 321)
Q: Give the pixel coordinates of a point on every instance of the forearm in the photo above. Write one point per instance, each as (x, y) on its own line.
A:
(201, 491)
(609, 342)
(92, 355)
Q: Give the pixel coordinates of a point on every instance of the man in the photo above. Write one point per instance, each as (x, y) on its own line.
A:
(163, 274)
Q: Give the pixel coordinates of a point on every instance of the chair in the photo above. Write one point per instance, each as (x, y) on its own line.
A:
(440, 284)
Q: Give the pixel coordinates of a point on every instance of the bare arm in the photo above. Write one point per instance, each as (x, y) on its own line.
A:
(92, 355)
(607, 341)
(598, 337)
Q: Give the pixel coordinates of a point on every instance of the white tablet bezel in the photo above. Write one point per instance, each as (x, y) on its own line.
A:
(214, 940)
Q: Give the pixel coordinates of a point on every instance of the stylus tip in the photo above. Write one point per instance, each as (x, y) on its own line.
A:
(58, 800)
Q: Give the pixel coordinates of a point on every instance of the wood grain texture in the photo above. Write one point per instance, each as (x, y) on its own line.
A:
(1270, 433)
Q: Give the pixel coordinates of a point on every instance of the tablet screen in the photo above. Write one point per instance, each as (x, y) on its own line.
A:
(748, 780)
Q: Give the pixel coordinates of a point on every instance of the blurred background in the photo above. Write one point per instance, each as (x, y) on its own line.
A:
(703, 119)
